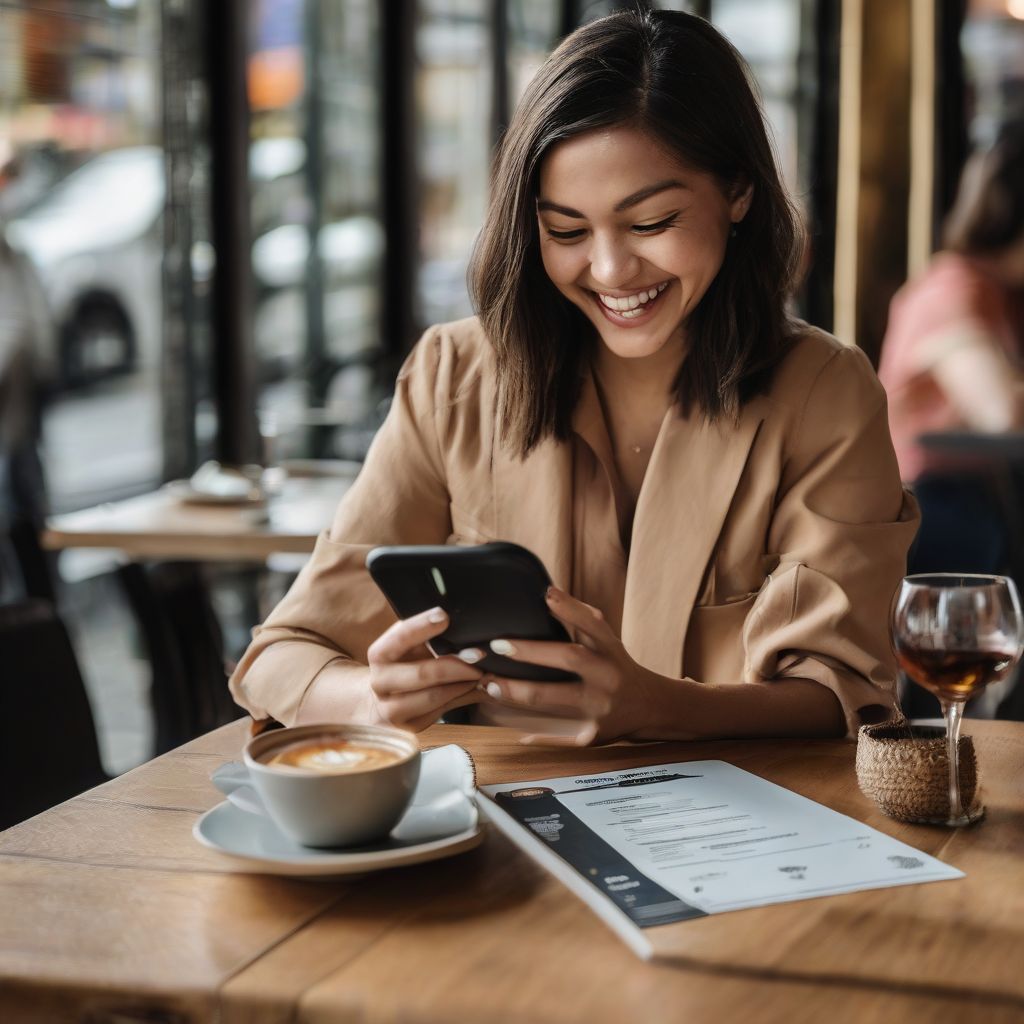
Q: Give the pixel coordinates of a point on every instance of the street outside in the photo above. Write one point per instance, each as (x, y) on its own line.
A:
(103, 442)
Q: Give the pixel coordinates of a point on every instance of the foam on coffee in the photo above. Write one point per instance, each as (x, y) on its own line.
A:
(332, 756)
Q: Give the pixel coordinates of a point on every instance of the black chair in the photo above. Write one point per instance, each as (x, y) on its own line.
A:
(38, 568)
(48, 746)
(26, 570)
(182, 634)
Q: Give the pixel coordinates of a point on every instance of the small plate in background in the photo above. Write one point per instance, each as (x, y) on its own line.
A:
(189, 495)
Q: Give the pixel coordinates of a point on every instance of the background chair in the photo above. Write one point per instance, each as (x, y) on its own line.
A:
(48, 746)
(179, 626)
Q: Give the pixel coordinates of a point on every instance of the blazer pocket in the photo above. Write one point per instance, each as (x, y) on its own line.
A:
(714, 640)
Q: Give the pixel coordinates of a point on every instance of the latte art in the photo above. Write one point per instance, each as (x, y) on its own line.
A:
(332, 756)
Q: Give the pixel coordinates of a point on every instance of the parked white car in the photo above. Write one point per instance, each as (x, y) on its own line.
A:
(94, 242)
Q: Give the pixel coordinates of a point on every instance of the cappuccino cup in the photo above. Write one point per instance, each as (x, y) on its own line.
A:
(328, 785)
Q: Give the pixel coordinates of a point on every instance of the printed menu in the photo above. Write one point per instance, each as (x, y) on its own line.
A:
(672, 842)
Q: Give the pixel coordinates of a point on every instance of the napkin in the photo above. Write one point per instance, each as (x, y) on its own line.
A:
(442, 803)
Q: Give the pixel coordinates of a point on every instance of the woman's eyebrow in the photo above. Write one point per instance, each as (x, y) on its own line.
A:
(646, 193)
(625, 204)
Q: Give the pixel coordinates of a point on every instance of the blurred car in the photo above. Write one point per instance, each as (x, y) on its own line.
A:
(95, 244)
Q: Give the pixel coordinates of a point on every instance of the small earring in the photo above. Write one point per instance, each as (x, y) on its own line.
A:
(732, 231)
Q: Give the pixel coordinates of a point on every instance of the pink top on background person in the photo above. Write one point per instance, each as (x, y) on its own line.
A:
(953, 302)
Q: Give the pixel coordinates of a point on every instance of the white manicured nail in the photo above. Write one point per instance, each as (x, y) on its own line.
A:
(502, 647)
(493, 690)
(436, 615)
(471, 655)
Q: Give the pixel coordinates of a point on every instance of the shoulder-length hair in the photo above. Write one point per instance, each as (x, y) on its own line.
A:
(675, 77)
(988, 214)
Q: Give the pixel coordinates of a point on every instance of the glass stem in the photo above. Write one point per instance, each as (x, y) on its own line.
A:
(953, 712)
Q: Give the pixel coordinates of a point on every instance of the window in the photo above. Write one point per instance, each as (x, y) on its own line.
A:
(81, 201)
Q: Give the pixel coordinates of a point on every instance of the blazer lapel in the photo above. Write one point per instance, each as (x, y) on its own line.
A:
(694, 471)
(533, 504)
(533, 498)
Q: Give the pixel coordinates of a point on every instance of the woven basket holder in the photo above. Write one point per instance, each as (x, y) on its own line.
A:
(905, 770)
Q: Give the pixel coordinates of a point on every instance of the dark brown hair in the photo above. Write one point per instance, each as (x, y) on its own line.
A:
(675, 77)
(988, 215)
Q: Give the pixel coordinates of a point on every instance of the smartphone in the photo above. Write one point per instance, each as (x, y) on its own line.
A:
(489, 591)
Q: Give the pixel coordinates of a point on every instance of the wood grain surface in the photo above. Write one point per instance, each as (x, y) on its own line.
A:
(111, 912)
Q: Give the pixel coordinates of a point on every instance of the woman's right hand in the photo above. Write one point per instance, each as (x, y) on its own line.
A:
(409, 687)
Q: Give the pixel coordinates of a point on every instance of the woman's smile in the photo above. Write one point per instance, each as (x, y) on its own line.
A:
(633, 308)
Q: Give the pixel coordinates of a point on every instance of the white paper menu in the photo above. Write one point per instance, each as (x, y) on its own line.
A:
(651, 846)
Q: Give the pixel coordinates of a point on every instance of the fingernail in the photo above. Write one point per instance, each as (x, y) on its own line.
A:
(436, 615)
(552, 594)
(502, 647)
(493, 690)
(470, 655)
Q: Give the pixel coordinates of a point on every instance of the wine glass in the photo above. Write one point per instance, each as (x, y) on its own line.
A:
(954, 634)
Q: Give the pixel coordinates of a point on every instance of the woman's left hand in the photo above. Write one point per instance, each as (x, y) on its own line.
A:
(610, 701)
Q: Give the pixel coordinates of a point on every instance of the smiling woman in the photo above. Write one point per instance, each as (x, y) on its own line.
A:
(710, 484)
(655, 118)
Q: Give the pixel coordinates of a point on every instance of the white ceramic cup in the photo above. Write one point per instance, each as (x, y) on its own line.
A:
(328, 809)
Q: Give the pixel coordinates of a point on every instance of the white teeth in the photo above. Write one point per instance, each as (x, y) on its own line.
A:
(629, 305)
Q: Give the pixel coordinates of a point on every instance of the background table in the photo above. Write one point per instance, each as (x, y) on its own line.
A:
(159, 525)
(172, 605)
(109, 908)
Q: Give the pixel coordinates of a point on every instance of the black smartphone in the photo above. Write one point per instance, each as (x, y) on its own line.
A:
(489, 591)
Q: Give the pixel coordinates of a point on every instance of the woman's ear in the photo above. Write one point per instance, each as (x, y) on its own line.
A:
(741, 195)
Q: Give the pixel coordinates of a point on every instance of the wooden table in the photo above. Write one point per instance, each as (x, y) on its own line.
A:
(110, 911)
(159, 525)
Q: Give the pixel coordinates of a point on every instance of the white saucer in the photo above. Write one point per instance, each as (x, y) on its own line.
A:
(257, 846)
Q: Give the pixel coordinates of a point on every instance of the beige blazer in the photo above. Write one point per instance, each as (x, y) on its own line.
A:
(763, 548)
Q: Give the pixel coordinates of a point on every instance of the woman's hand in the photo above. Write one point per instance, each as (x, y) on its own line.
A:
(408, 686)
(611, 700)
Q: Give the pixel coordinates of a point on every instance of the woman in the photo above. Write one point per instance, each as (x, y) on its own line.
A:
(951, 360)
(711, 486)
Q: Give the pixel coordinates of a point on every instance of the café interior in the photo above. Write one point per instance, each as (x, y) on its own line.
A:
(223, 227)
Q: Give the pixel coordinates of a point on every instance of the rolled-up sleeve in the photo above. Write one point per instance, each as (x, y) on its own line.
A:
(334, 611)
(840, 532)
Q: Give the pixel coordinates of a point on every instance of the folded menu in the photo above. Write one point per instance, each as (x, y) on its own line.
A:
(652, 846)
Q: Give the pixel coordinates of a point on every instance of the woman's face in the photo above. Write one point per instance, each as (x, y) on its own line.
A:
(632, 236)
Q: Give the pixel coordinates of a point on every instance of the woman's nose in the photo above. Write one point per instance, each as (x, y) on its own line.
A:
(612, 264)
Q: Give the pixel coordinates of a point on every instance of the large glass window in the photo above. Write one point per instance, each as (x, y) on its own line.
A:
(453, 139)
(317, 235)
(533, 34)
(767, 33)
(81, 198)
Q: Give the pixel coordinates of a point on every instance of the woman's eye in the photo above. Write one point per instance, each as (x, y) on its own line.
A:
(660, 225)
(563, 235)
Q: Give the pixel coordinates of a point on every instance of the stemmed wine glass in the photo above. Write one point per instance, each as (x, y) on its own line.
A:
(954, 634)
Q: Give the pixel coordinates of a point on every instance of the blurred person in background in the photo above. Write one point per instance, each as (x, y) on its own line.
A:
(952, 361)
